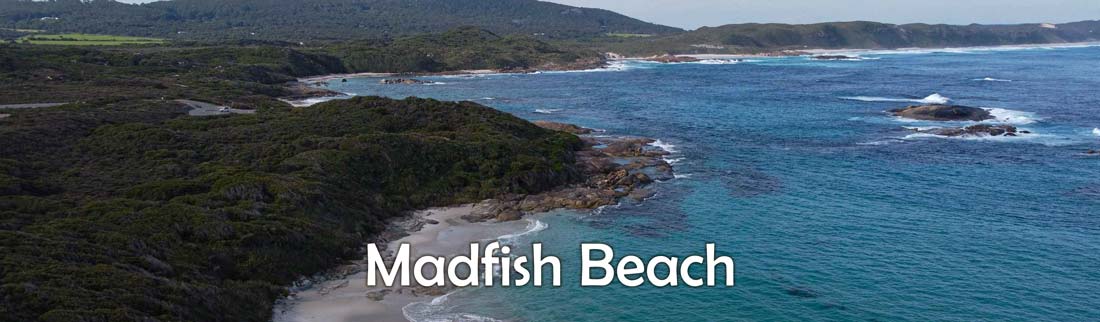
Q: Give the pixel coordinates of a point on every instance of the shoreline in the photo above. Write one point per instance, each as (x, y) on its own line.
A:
(820, 51)
(346, 297)
(325, 78)
(341, 294)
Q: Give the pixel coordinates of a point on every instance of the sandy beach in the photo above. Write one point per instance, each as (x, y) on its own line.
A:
(325, 78)
(438, 231)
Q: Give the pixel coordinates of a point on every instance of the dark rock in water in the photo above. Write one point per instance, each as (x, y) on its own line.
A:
(633, 147)
(669, 58)
(642, 194)
(1092, 152)
(939, 112)
(748, 182)
(801, 292)
(403, 81)
(834, 57)
(975, 130)
(343, 80)
(563, 127)
(620, 169)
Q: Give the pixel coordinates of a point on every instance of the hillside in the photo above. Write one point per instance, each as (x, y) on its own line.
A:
(313, 20)
(134, 211)
(238, 73)
(747, 38)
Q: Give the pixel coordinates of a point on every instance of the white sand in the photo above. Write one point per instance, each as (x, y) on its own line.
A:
(325, 78)
(346, 298)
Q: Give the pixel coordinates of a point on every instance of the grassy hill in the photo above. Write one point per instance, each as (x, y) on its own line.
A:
(313, 20)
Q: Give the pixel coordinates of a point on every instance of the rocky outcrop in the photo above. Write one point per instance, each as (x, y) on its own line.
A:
(563, 127)
(939, 112)
(614, 168)
(301, 91)
(670, 58)
(403, 81)
(834, 57)
(976, 130)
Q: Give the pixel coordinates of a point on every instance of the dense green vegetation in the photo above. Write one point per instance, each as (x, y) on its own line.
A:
(244, 73)
(131, 211)
(314, 20)
(86, 40)
(749, 38)
(463, 48)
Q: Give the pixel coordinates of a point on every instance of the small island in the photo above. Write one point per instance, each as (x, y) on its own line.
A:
(941, 112)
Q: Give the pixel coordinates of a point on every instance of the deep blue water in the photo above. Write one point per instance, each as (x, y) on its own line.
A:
(832, 209)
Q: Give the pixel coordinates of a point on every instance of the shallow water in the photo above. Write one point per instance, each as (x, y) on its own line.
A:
(832, 209)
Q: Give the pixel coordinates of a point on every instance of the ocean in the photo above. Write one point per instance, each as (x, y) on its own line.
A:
(833, 209)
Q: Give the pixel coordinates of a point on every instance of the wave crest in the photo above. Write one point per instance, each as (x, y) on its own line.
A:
(935, 98)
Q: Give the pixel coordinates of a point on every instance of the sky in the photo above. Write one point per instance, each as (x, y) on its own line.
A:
(691, 14)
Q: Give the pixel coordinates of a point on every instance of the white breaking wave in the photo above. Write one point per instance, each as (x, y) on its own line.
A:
(664, 146)
(437, 310)
(547, 111)
(930, 99)
(671, 149)
(614, 66)
(991, 79)
(533, 226)
(1096, 131)
(1001, 115)
(721, 61)
(962, 50)
(1044, 139)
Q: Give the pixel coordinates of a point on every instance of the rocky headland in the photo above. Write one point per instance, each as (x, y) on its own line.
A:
(613, 167)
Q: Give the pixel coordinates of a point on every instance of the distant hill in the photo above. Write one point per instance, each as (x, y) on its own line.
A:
(859, 34)
(306, 20)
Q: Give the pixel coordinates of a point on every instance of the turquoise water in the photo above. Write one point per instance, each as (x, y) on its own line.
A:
(832, 209)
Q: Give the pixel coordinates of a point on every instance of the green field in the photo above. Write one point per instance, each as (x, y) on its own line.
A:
(29, 31)
(87, 40)
(622, 35)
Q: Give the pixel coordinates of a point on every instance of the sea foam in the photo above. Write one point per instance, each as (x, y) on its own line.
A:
(533, 226)
(547, 111)
(1014, 117)
(930, 99)
(438, 310)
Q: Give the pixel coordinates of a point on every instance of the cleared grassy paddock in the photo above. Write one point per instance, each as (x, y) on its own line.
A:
(87, 40)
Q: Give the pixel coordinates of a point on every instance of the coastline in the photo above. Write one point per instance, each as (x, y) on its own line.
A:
(824, 51)
(341, 294)
(308, 91)
(346, 297)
